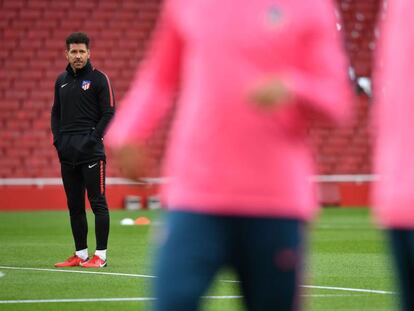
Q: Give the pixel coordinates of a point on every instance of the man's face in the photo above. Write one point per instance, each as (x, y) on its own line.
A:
(77, 55)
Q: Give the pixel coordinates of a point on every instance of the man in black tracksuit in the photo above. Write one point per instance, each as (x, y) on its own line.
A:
(83, 106)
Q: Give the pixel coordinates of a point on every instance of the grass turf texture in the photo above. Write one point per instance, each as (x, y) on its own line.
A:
(344, 251)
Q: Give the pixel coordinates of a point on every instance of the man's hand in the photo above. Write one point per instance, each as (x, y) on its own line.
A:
(133, 160)
(269, 94)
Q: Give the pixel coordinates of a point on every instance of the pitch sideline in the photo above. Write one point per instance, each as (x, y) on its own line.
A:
(356, 290)
(136, 299)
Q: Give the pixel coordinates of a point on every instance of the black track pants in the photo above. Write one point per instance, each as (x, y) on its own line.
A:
(77, 179)
(402, 246)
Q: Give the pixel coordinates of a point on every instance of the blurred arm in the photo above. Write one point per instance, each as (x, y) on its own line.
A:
(147, 101)
(150, 95)
(320, 79)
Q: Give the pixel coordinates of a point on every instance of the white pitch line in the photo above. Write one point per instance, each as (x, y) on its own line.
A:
(28, 301)
(357, 290)
(221, 297)
(75, 300)
(101, 299)
(77, 271)
(332, 295)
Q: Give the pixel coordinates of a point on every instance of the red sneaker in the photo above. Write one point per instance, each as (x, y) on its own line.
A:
(73, 261)
(95, 262)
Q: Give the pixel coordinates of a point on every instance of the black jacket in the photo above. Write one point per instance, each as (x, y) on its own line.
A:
(83, 107)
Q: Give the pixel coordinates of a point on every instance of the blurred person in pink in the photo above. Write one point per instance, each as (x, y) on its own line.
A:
(250, 75)
(393, 194)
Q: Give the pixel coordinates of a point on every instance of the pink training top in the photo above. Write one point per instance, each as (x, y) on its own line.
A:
(394, 119)
(226, 155)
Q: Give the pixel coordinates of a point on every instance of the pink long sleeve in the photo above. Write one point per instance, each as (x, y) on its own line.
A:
(393, 194)
(150, 95)
(319, 77)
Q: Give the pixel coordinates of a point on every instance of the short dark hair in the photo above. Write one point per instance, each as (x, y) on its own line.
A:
(77, 37)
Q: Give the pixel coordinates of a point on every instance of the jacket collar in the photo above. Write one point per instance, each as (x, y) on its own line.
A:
(87, 68)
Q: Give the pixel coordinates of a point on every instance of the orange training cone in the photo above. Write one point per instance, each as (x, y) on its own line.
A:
(141, 221)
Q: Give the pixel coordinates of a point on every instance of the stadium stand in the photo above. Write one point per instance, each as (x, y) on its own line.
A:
(32, 36)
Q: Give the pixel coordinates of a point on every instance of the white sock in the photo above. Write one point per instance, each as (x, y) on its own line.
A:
(82, 254)
(101, 254)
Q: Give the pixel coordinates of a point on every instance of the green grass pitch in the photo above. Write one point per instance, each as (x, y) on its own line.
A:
(348, 267)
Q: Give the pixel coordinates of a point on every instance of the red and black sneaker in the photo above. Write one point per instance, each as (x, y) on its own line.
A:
(73, 261)
(94, 262)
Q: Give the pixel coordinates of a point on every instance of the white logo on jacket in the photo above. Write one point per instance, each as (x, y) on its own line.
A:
(86, 84)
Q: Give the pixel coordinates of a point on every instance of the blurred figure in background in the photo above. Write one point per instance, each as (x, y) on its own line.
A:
(394, 120)
(250, 76)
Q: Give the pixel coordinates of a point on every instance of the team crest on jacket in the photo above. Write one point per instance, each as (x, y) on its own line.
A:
(274, 15)
(86, 84)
